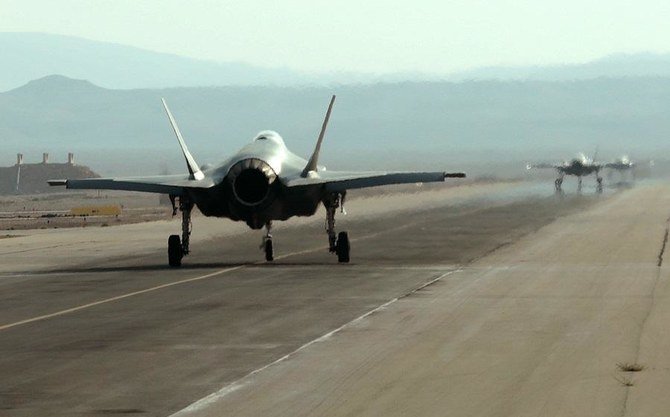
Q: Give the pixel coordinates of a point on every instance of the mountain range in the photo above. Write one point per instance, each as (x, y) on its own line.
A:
(613, 66)
(385, 125)
(29, 56)
(105, 106)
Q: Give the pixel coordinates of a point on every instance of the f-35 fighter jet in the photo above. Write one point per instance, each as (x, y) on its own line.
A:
(579, 167)
(261, 183)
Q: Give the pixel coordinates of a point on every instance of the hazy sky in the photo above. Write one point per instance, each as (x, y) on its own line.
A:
(354, 35)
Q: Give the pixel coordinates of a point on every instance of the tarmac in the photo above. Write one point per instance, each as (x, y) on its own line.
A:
(455, 303)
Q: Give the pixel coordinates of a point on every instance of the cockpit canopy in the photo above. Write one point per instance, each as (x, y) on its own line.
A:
(582, 159)
(269, 135)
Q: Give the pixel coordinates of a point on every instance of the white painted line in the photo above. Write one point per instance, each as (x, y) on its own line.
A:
(236, 385)
(36, 274)
(118, 297)
(144, 291)
(171, 284)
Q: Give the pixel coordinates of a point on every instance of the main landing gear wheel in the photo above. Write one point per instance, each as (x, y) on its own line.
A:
(599, 187)
(337, 243)
(343, 247)
(180, 247)
(175, 251)
(269, 251)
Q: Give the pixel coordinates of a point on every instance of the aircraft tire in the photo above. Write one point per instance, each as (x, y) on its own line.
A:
(269, 251)
(175, 252)
(343, 247)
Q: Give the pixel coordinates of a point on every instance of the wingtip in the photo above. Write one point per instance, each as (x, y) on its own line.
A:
(454, 175)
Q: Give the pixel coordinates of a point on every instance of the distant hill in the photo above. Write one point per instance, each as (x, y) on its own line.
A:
(27, 56)
(397, 125)
(34, 177)
(614, 66)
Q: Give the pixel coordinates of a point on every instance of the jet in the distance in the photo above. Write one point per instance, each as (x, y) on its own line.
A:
(622, 165)
(261, 183)
(580, 166)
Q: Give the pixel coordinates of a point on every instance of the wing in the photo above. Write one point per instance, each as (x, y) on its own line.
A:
(164, 184)
(311, 176)
(342, 181)
(617, 165)
(543, 166)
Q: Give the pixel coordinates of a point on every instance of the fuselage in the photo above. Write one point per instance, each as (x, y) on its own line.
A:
(579, 166)
(249, 185)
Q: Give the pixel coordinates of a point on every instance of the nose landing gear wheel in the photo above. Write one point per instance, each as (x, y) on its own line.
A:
(266, 243)
(342, 247)
(175, 251)
(269, 251)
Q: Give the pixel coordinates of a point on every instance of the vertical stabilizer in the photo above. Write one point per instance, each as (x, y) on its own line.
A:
(193, 167)
(314, 160)
(595, 154)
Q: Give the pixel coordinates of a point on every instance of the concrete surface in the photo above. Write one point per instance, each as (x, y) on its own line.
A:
(536, 328)
(473, 321)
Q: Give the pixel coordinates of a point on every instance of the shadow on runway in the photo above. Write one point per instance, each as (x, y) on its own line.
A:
(151, 267)
(214, 266)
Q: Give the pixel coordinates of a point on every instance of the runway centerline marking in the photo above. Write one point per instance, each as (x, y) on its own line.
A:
(241, 382)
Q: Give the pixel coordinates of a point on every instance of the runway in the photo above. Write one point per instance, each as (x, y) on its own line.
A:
(516, 307)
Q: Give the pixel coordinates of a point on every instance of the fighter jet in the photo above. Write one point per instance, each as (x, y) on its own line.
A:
(261, 183)
(579, 167)
(622, 165)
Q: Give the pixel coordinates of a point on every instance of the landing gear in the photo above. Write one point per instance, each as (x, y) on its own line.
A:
(557, 184)
(175, 252)
(331, 206)
(266, 245)
(180, 247)
(337, 243)
(599, 187)
(579, 184)
(269, 251)
(342, 247)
